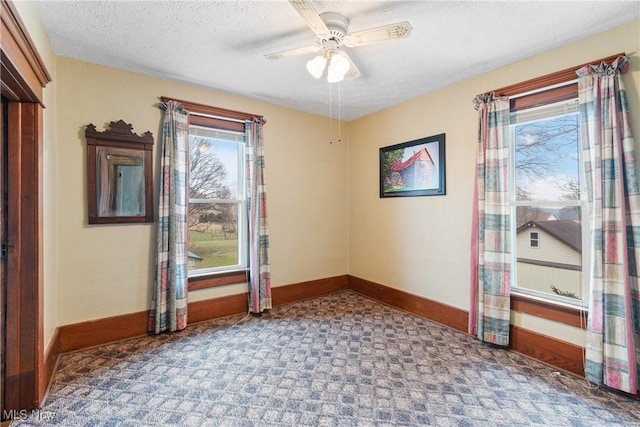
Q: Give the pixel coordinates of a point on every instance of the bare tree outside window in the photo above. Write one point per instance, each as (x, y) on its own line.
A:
(546, 163)
(207, 176)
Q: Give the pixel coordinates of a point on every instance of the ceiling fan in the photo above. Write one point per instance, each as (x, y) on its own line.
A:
(332, 32)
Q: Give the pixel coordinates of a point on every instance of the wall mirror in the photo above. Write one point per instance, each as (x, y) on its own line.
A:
(119, 174)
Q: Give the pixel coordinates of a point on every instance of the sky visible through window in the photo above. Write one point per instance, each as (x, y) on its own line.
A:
(547, 159)
(217, 150)
(227, 152)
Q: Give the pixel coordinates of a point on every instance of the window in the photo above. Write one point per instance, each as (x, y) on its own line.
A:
(546, 200)
(218, 223)
(536, 103)
(217, 200)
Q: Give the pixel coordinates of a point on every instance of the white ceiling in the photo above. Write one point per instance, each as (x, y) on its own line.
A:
(220, 44)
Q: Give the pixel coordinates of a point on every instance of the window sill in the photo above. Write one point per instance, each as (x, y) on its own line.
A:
(218, 279)
(573, 316)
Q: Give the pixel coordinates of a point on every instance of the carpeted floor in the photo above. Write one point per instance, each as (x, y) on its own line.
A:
(339, 360)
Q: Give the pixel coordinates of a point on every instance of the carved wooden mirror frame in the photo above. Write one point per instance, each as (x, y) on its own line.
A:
(119, 175)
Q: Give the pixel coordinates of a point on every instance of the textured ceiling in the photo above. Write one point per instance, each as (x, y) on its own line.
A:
(220, 44)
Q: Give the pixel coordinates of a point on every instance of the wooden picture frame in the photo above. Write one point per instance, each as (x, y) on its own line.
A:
(414, 168)
(119, 175)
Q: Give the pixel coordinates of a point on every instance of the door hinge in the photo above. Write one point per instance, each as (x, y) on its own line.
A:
(4, 250)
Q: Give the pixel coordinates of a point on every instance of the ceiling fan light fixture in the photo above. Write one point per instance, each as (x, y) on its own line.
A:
(316, 66)
(339, 64)
(338, 67)
(334, 77)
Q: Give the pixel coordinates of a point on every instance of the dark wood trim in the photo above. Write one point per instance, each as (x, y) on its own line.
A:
(219, 279)
(559, 354)
(559, 94)
(97, 332)
(573, 316)
(211, 122)
(118, 139)
(201, 311)
(562, 355)
(432, 310)
(24, 288)
(91, 333)
(12, 297)
(558, 77)
(50, 361)
(310, 289)
(212, 111)
(37, 257)
(20, 59)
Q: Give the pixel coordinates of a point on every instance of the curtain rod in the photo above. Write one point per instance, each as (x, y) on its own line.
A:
(228, 119)
(562, 76)
(208, 110)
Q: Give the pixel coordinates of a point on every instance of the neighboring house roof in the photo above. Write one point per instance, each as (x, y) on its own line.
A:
(570, 212)
(422, 155)
(541, 215)
(194, 256)
(567, 231)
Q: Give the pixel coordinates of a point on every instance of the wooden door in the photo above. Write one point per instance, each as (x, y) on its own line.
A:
(3, 261)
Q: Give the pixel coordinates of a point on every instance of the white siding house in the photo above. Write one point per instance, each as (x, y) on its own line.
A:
(549, 255)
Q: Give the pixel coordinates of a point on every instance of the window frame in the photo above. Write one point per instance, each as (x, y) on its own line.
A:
(240, 201)
(229, 120)
(551, 310)
(556, 94)
(535, 239)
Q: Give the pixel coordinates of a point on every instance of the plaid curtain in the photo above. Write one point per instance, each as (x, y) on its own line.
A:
(169, 304)
(260, 275)
(489, 312)
(613, 330)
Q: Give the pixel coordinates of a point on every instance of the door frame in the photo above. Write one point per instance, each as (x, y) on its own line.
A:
(23, 76)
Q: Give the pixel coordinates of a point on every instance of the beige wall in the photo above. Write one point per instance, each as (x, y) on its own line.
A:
(106, 270)
(326, 218)
(421, 244)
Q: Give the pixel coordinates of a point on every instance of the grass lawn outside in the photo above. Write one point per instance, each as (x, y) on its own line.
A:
(213, 248)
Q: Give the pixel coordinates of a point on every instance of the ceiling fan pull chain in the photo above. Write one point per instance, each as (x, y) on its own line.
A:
(339, 111)
(330, 116)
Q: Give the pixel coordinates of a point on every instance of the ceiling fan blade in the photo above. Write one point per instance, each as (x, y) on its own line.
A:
(292, 52)
(398, 30)
(353, 72)
(310, 15)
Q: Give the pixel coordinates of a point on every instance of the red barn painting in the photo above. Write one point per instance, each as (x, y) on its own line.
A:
(414, 168)
(416, 172)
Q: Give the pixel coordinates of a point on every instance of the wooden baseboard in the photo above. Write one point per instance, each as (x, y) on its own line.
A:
(201, 311)
(441, 313)
(110, 329)
(560, 354)
(50, 360)
(102, 331)
(311, 289)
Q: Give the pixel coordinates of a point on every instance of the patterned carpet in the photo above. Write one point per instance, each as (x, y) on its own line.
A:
(339, 360)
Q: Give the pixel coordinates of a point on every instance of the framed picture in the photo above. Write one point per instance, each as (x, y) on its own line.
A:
(414, 168)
